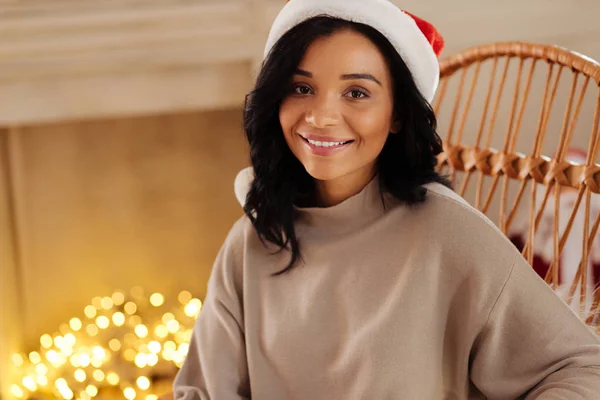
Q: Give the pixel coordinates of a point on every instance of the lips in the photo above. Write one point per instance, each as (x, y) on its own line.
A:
(324, 139)
(325, 145)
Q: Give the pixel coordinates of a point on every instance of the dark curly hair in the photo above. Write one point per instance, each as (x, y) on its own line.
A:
(407, 161)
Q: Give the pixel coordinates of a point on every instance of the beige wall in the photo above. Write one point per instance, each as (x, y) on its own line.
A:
(113, 204)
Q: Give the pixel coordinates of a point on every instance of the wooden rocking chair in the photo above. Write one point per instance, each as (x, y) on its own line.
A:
(495, 88)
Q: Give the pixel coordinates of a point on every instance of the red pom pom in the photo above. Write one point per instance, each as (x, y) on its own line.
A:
(431, 34)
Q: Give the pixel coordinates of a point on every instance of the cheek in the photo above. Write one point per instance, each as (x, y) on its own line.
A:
(288, 116)
(372, 126)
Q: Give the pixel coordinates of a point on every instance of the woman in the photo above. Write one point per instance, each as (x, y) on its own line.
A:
(357, 273)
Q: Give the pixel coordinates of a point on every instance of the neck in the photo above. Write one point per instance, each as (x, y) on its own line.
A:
(332, 192)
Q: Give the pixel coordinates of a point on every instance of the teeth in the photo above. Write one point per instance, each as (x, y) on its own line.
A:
(324, 144)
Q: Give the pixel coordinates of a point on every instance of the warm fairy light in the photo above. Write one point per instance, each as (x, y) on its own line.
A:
(161, 331)
(91, 390)
(90, 311)
(106, 303)
(157, 299)
(96, 362)
(98, 375)
(75, 324)
(84, 360)
(70, 340)
(74, 360)
(167, 317)
(118, 318)
(53, 356)
(130, 307)
(106, 347)
(80, 375)
(41, 369)
(184, 348)
(173, 326)
(91, 330)
(192, 309)
(112, 378)
(184, 297)
(59, 341)
(114, 344)
(140, 360)
(141, 331)
(102, 322)
(17, 391)
(46, 341)
(154, 346)
(129, 393)
(17, 360)
(152, 359)
(98, 352)
(34, 357)
(42, 380)
(29, 383)
(97, 302)
(143, 383)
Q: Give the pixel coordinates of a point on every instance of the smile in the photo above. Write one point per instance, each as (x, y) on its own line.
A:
(325, 146)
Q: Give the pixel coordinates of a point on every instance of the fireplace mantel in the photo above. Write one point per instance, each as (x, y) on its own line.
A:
(67, 59)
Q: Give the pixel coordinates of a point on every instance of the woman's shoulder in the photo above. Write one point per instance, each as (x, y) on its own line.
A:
(462, 232)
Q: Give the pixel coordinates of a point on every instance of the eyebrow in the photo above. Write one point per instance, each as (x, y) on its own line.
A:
(344, 77)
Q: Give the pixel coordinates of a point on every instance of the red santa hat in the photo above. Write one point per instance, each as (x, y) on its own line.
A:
(416, 40)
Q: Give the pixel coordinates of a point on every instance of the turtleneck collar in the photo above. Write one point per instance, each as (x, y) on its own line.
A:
(352, 213)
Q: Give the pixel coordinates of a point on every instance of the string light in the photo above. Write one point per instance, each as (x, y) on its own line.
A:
(184, 297)
(91, 390)
(118, 318)
(90, 311)
(114, 344)
(117, 345)
(17, 391)
(34, 357)
(143, 382)
(107, 303)
(98, 375)
(141, 331)
(157, 299)
(80, 375)
(102, 322)
(46, 341)
(112, 378)
(130, 307)
(129, 393)
(75, 324)
(118, 298)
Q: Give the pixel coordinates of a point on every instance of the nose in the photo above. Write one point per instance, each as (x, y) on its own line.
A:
(322, 113)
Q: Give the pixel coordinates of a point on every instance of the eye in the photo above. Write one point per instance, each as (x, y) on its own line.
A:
(358, 94)
(301, 89)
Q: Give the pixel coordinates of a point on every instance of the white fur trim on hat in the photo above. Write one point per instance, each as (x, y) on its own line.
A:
(242, 183)
(398, 27)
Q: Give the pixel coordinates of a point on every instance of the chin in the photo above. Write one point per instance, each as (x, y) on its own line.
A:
(322, 173)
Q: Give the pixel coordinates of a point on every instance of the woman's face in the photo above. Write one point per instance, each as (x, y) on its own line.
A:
(338, 112)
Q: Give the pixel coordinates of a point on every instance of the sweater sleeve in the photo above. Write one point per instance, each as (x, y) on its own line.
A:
(216, 366)
(534, 346)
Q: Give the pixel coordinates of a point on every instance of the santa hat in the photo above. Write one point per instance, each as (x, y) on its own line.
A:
(416, 41)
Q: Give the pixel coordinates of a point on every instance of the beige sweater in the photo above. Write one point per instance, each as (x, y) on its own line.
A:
(428, 302)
